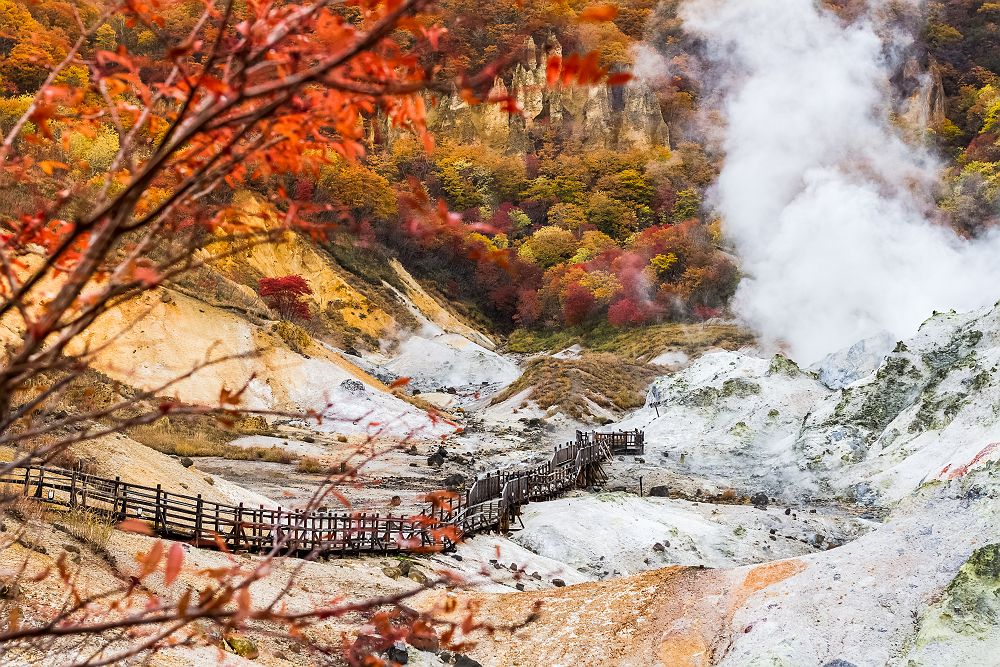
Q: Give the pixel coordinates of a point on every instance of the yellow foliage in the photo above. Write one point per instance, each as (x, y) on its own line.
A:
(11, 109)
(663, 263)
(106, 38)
(358, 188)
(482, 239)
(99, 151)
(146, 40)
(567, 216)
(714, 229)
(603, 284)
(548, 246)
(76, 76)
(151, 198)
(592, 244)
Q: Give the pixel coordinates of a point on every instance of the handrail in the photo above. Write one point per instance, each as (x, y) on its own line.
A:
(489, 503)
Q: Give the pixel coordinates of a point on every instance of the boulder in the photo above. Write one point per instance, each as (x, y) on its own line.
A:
(558, 583)
(398, 653)
(9, 588)
(186, 461)
(759, 500)
(437, 458)
(242, 645)
(659, 491)
(353, 386)
(454, 481)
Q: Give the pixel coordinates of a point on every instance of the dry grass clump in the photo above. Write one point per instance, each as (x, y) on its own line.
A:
(570, 386)
(312, 466)
(93, 528)
(19, 506)
(294, 336)
(186, 440)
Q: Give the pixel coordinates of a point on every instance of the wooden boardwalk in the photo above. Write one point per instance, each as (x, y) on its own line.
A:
(491, 503)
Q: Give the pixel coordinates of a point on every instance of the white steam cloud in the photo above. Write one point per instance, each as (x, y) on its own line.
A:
(825, 202)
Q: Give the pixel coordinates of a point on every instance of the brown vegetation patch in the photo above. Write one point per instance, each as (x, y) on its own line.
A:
(639, 343)
(571, 386)
(312, 466)
(92, 528)
(188, 439)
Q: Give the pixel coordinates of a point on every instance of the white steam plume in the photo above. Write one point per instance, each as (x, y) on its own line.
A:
(824, 201)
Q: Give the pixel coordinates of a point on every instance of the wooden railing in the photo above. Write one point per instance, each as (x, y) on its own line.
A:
(623, 442)
(490, 503)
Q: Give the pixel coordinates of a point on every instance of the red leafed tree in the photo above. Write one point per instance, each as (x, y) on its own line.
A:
(284, 295)
(625, 312)
(577, 303)
(529, 309)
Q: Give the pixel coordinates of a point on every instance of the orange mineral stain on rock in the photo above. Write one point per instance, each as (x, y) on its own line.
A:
(763, 576)
(686, 648)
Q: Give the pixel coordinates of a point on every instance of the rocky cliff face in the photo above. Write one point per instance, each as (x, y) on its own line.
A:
(922, 103)
(620, 118)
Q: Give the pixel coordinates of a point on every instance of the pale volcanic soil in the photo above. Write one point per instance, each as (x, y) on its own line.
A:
(838, 515)
(872, 500)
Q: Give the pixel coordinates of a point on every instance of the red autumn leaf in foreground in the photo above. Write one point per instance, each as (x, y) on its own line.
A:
(135, 526)
(175, 558)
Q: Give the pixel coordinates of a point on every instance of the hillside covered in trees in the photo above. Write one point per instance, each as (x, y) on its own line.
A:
(575, 220)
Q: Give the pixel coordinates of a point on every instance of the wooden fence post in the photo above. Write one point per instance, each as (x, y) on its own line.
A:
(123, 510)
(84, 489)
(72, 489)
(238, 528)
(197, 520)
(260, 527)
(276, 529)
(156, 511)
(114, 498)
